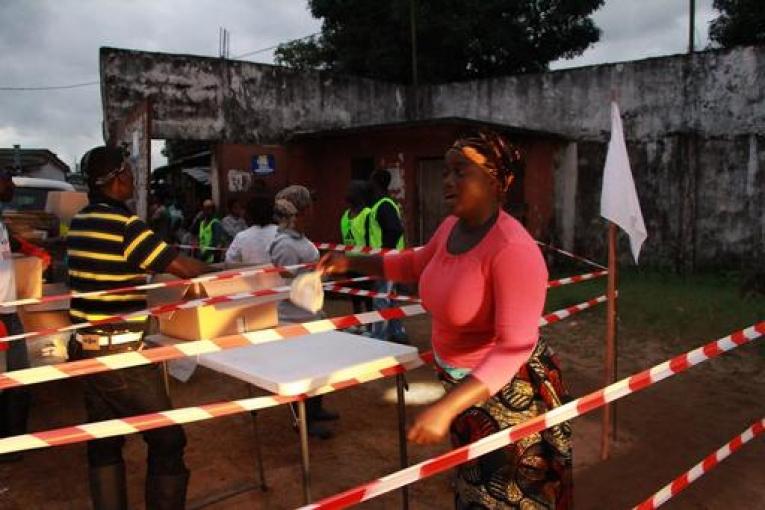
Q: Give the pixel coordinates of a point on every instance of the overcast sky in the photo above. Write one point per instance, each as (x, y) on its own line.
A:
(55, 42)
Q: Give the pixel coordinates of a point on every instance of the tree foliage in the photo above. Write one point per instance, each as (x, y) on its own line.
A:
(741, 22)
(456, 39)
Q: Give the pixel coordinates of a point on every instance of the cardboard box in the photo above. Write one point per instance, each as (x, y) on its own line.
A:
(28, 272)
(50, 349)
(218, 320)
(65, 204)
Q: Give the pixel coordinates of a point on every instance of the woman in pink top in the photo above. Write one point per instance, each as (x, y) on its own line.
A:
(484, 282)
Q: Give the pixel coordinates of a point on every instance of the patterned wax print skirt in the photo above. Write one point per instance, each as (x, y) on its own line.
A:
(536, 472)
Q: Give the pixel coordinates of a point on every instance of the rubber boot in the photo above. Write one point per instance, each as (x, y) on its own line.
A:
(166, 492)
(108, 488)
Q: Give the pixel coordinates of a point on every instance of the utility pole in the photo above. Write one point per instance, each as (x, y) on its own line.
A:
(415, 78)
(691, 25)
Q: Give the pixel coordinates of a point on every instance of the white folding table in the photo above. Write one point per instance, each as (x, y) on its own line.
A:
(303, 364)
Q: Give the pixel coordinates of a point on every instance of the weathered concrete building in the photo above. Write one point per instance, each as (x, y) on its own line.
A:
(39, 163)
(694, 126)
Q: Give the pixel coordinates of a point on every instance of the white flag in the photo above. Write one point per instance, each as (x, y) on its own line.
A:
(618, 198)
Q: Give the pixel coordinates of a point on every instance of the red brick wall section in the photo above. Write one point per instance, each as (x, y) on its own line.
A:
(323, 164)
(539, 186)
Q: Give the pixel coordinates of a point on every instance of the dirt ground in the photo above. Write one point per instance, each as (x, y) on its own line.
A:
(662, 432)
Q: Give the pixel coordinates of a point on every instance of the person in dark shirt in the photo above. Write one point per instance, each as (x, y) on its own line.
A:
(385, 231)
(107, 247)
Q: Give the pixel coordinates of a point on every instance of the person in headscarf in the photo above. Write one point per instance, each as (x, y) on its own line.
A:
(293, 212)
(483, 279)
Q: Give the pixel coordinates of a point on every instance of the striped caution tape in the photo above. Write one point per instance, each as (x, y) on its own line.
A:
(133, 424)
(576, 279)
(571, 255)
(229, 275)
(535, 425)
(682, 482)
(193, 348)
(280, 292)
(352, 291)
(365, 250)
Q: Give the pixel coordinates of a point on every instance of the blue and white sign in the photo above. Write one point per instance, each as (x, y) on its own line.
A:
(263, 164)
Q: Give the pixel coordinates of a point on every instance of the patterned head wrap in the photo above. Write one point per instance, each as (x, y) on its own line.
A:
(492, 152)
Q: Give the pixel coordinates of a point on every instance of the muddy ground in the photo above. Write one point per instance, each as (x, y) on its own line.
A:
(662, 431)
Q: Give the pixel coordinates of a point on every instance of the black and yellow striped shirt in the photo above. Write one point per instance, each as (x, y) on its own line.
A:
(107, 247)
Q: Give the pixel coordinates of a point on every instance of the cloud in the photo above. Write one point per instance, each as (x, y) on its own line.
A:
(56, 43)
(633, 30)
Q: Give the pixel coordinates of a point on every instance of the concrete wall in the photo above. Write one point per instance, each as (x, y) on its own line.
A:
(716, 93)
(199, 98)
(694, 126)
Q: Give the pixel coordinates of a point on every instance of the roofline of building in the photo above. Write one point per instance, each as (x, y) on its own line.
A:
(461, 121)
(44, 152)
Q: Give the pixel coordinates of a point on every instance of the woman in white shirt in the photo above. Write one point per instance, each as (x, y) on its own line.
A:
(251, 246)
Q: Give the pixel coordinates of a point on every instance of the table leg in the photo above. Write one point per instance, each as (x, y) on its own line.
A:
(402, 451)
(166, 377)
(258, 452)
(303, 422)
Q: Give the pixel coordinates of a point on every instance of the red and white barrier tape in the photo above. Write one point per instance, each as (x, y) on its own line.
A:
(66, 370)
(158, 285)
(242, 274)
(682, 482)
(352, 291)
(198, 247)
(571, 255)
(162, 309)
(193, 348)
(365, 250)
(535, 425)
(133, 424)
(576, 279)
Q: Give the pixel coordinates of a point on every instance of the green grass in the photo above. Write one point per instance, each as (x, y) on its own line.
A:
(671, 306)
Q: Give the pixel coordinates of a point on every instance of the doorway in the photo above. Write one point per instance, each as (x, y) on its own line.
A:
(432, 208)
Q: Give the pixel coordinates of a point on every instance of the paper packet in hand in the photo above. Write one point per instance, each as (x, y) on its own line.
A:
(307, 291)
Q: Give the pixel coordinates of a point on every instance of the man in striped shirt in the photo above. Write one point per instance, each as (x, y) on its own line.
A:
(108, 247)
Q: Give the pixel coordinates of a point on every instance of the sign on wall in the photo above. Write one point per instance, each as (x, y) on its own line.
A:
(263, 164)
(239, 181)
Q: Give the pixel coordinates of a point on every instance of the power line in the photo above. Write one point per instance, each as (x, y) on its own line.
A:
(96, 82)
(55, 87)
(262, 50)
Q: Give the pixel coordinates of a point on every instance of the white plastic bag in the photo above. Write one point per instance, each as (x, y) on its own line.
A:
(307, 292)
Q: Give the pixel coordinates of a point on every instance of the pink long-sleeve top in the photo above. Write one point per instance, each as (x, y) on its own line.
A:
(485, 303)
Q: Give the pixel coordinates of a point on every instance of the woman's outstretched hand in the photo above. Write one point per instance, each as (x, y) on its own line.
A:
(333, 263)
(431, 426)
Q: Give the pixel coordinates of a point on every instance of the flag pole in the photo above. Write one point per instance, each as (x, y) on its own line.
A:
(608, 431)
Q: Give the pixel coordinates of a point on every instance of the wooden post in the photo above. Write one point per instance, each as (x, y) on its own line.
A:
(609, 412)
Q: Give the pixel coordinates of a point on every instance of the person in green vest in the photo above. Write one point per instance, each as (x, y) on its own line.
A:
(354, 224)
(211, 233)
(354, 229)
(386, 230)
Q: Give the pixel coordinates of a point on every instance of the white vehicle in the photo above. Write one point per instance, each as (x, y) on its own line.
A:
(32, 193)
(25, 215)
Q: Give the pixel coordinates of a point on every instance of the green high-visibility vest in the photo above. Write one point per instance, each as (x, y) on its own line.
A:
(354, 230)
(375, 231)
(206, 238)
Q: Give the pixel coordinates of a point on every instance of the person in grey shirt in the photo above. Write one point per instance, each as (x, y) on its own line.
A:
(293, 211)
